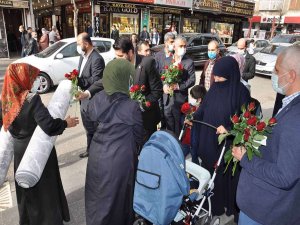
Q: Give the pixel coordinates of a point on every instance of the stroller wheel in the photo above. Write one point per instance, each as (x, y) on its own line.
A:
(203, 221)
(215, 221)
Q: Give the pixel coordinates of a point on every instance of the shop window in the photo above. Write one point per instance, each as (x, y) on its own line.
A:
(70, 50)
(102, 46)
(126, 23)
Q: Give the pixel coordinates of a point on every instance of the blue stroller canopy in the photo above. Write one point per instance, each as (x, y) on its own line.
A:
(161, 180)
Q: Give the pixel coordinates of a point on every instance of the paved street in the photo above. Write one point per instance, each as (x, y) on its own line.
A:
(72, 168)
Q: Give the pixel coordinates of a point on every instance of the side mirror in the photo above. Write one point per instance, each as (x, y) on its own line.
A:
(59, 56)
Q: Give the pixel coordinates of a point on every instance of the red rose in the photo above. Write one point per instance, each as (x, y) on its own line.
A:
(272, 121)
(235, 119)
(185, 108)
(247, 131)
(131, 89)
(75, 72)
(260, 126)
(163, 78)
(252, 121)
(136, 87)
(148, 104)
(180, 66)
(246, 137)
(247, 114)
(143, 87)
(194, 108)
(251, 106)
(166, 67)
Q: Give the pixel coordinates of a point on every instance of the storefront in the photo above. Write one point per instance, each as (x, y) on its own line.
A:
(292, 24)
(12, 15)
(125, 16)
(84, 15)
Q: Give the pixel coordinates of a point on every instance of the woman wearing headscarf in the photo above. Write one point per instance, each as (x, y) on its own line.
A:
(113, 152)
(225, 98)
(22, 111)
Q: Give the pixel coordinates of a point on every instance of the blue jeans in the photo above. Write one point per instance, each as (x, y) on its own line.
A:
(245, 220)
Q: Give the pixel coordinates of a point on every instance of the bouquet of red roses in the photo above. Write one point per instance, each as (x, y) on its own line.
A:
(172, 75)
(136, 93)
(73, 77)
(248, 131)
(187, 109)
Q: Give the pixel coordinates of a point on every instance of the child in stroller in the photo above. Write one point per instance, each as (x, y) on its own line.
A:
(162, 189)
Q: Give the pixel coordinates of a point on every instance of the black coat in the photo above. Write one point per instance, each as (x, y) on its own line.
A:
(188, 80)
(249, 70)
(45, 203)
(161, 60)
(92, 71)
(112, 159)
(32, 47)
(144, 35)
(114, 34)
(147, 74)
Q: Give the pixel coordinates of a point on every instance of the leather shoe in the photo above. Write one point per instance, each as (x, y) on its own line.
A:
(83, 155)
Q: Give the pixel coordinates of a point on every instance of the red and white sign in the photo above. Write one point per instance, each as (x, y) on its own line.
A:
(178, 3)
(269, 19)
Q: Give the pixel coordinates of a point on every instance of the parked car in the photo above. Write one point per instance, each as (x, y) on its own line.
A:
(266, 59)
(285, 38)
(196, 46)
(62, 57)
(258, 43)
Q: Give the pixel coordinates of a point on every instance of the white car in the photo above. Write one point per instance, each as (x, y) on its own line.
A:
(258, 43)
(62, 57)
(266, 59)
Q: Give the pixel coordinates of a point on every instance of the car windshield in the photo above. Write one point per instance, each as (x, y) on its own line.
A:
(273, 49)
(281, 39)
(51, 49)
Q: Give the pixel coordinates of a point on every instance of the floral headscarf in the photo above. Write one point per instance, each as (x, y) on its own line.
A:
(18, 81)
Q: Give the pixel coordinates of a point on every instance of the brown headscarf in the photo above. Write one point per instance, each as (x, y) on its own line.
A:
(18, 81)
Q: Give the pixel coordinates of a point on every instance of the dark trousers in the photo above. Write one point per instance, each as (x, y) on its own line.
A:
(173, 118)
(89, 126)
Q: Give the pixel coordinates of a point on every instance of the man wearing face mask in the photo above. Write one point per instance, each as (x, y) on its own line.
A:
(91, 66)
(172, 104)
(207, 78)
(271, 183)
(165, 53)
(249, 70)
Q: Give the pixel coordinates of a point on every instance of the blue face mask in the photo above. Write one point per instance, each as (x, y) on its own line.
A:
(275, 84)
(212, 55)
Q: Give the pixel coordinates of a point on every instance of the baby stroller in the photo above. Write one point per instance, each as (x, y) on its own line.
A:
(162, 189)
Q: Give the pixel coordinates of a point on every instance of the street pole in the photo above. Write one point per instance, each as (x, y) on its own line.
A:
(92, 19)
(31, 15)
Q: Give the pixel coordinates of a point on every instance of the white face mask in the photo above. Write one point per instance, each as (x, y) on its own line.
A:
(193, 102)
(181, 51)
(35, 86)
(170, 48)
(241, 51)
(275, 83)
(79, 50)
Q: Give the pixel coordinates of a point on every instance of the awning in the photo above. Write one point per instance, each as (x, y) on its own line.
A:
(255, 19)
(292, 19)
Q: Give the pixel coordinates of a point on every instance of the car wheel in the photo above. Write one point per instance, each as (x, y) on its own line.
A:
(45, 83)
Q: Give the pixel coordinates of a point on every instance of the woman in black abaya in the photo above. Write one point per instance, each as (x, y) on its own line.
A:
(225, 98)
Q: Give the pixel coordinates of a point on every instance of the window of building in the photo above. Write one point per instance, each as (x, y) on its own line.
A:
(126, 23)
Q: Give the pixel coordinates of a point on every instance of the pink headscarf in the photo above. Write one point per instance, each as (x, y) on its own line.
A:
(241, 61)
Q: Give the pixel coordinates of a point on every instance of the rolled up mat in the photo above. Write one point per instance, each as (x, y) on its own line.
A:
(40, 146)
(6, 153)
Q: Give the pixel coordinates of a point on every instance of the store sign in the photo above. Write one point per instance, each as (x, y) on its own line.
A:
(179, 3)
(211, 5)
(145, 18)
(14, 4)
(240, 8)
(117, 8)
(137, 1)
(165, 10)
(270, 19)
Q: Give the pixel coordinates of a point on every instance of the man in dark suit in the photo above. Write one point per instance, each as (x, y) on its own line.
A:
(250, 62)
(144, 35)
(147, 74)
(172, 104)
(91, 66)
(114, 33)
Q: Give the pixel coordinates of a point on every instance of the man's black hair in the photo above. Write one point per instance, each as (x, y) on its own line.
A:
(124, 44)
(198, 91)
